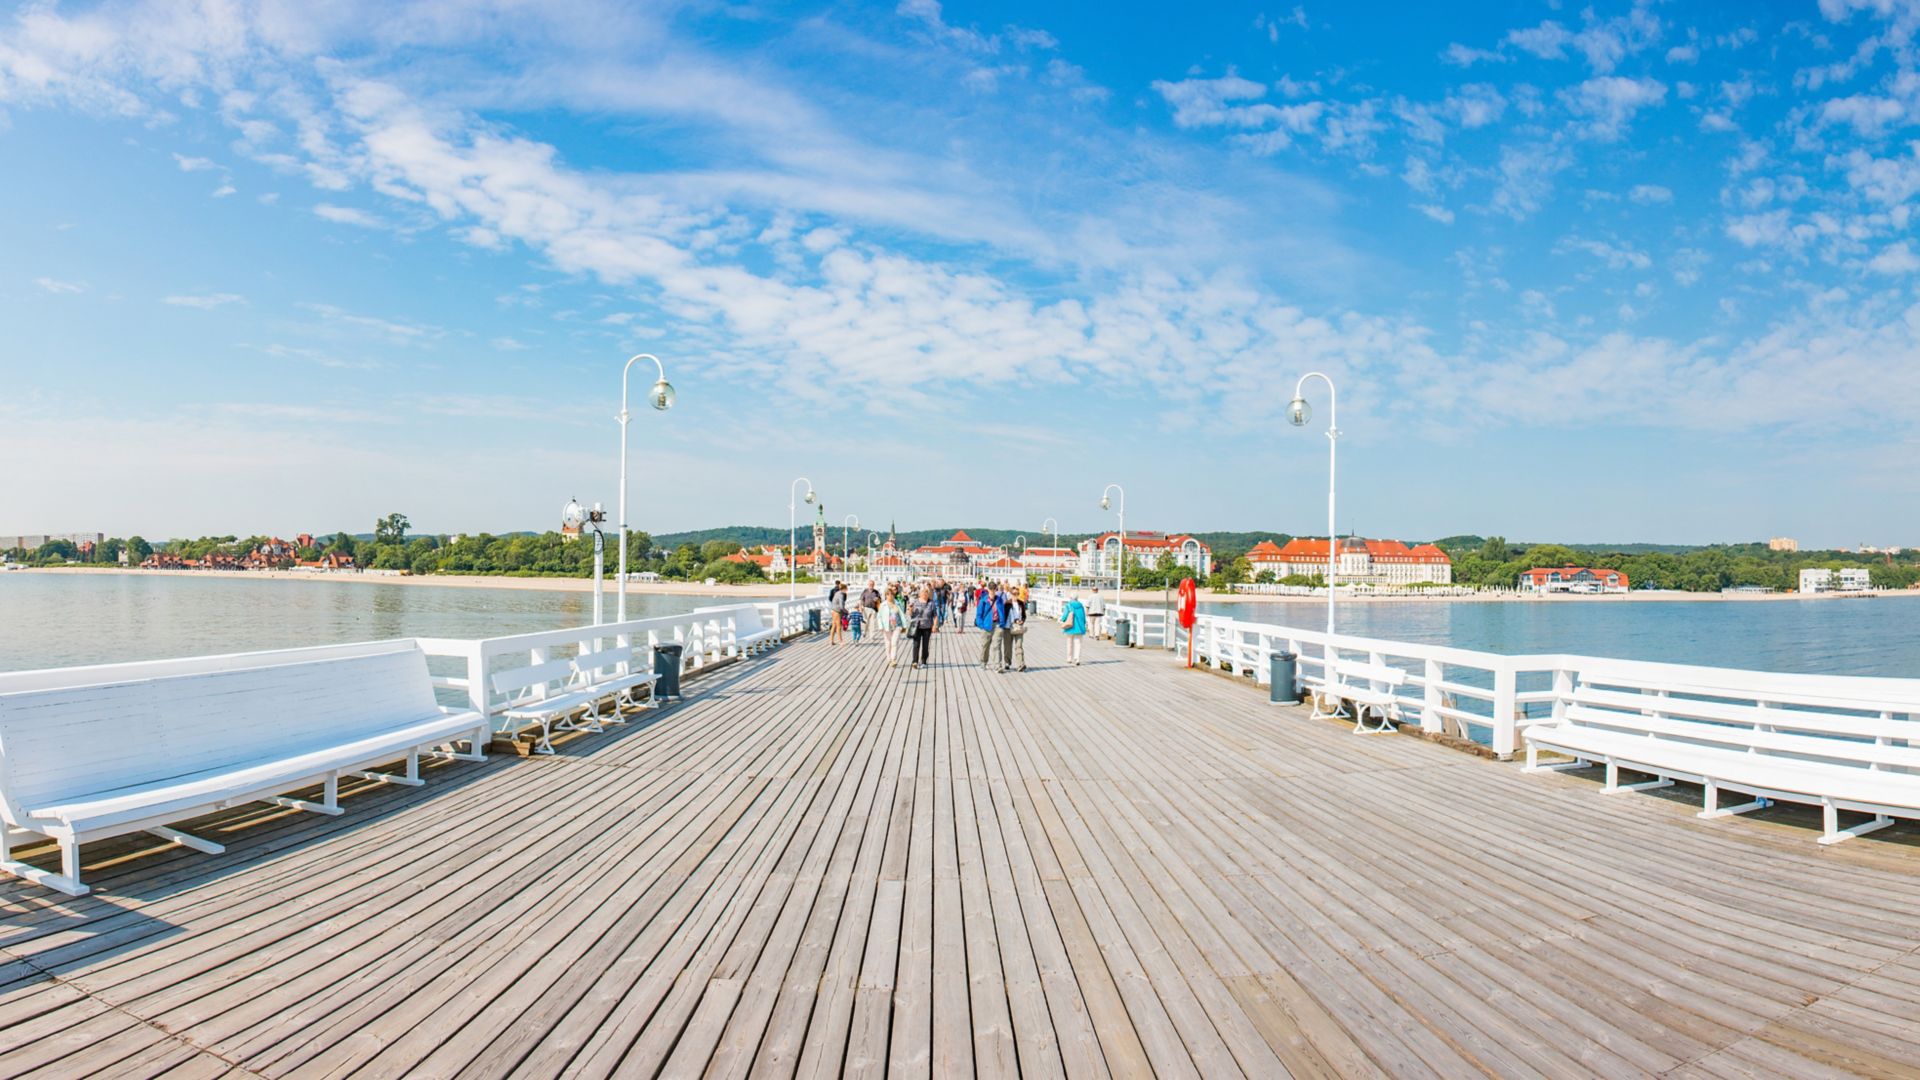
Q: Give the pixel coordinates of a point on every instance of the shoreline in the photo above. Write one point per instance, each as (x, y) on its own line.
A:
(778, 590)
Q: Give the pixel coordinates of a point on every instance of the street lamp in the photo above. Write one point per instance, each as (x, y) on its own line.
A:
(1053, 554)
(793, 551)
(1120, 581)
(661, 398)
(846, 550)
(1298, 413)
(573, 516)
(873, 542)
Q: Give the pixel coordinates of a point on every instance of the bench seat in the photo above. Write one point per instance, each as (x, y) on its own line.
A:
(94, 752)
(111, 812)
(551, 693)
(1371, 688)
(1838, 752)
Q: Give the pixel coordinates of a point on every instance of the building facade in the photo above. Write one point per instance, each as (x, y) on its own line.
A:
(1377, 562)
(1783, 543)
(1100, 556)
(1846, 579)
(1573, 579)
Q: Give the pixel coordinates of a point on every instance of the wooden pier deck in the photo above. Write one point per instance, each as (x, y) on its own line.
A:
(818, 865)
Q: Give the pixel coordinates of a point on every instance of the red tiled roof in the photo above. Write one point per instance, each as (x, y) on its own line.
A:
(1610, 577)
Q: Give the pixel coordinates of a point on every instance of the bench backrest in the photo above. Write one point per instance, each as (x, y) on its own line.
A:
(64, 742)
(1349, 672)
(1882, 735)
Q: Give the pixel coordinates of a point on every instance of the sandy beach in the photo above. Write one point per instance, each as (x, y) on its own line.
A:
(777, 590)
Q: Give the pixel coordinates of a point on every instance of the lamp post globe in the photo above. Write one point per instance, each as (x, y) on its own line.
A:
(1105, 503)
(809, 496)
(572, 514)
(1299, 412)
(661, 396)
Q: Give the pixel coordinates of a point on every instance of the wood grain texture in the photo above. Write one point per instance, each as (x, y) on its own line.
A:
(819, 865)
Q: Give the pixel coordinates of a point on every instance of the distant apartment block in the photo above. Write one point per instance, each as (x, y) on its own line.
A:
(28, 543)
(1783, 543)
(1846, 579)
(1573, 579)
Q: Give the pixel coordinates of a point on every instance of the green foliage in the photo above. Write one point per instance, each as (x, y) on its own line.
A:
(732, 573)
(391, 529)
(714, 550)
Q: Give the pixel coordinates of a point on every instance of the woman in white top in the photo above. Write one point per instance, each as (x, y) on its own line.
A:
(892, 622)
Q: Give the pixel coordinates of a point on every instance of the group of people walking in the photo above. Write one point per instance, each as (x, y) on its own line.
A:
(916, 613)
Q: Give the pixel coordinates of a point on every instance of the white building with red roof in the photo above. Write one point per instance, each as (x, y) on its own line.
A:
(1100, 556)
(1042, 562)
(956, 558)
(1379, 562)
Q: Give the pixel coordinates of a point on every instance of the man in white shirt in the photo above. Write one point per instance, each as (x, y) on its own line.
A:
(1096, 612)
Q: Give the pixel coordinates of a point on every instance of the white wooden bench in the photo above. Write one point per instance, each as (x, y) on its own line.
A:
(1851, 754)
(750, 634)
(94, 752)
(1372, 688)
(569, 694)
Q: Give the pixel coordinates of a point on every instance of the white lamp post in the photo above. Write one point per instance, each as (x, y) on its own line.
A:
(661, 398)
(1298, 413)
(1120, 579)
(574, 516)
(793, 551)
(1053, 554)
(873, 542)
(851, 522)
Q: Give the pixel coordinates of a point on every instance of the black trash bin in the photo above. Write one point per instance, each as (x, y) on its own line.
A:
(1284, 669)
(666, 671)
(1123, 633)
(813, 620)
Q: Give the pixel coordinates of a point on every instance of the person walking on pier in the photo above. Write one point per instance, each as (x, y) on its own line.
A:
(990, 617)
(891, 617)
(1013, 648)
(837, 615)
(925, 618)
(1073, 623)
(870, 600)
(1096, 609)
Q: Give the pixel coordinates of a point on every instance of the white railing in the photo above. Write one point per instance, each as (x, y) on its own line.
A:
(1491, 698)
(706, 636)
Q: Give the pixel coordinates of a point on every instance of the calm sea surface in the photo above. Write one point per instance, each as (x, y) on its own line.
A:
(53, 620)
(1877, 636)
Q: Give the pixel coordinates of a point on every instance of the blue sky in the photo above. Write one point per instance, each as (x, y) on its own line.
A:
(1620, 272)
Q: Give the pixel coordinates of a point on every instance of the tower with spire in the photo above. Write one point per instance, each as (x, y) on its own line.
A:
(820, 541)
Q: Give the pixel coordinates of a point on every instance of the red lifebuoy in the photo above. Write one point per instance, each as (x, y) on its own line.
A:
(1189, 599)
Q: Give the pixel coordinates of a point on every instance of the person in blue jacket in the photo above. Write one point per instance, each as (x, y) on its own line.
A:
(1073, 623)
(990, 618)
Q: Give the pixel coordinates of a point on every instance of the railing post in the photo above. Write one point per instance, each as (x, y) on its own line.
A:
(1505, 730)
(1431, 721)
(1562, 690)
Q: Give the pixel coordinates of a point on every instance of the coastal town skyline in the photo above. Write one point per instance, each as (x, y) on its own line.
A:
(949, 253)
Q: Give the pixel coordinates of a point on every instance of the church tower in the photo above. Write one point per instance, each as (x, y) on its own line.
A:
(820, 541)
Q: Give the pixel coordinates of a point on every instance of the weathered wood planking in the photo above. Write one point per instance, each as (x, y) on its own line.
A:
(823, 866)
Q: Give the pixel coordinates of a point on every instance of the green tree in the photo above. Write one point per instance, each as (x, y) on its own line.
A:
(1495, 549)
(391, 529)
(732, 573)
(717, 549)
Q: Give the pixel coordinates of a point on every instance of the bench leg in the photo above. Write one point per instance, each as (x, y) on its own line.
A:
(545, 745)
(1835, 833)
(329, 804)
(1383, 720)
(68, 881)
(1320, 708)
(477, 743)
(1713, 809)
(1615, 787)
(188, 840)
(1533, 762)
(391, 778)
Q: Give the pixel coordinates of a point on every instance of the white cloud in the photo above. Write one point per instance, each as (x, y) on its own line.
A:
(1869, 116)
(224, 190)
(1615, 256)
(59, 287)
(1438, 213)
(1524, 178)
(347, 215)
(1683, 54)
(1648, 194)
(1894, 259)
(1609, 103)
(193, 164)
(205, 302)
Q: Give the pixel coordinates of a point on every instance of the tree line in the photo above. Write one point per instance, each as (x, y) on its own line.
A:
(1477, 561)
